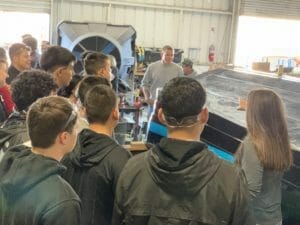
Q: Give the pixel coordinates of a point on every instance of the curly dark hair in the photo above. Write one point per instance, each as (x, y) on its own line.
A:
(31, 85)
(181, 98)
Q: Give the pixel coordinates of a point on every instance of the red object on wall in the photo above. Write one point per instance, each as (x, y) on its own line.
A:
(211, 53)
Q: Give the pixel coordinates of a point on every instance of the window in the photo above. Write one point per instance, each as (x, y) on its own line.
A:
(16, 24)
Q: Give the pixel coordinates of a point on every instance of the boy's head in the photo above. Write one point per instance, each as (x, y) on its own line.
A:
(58, 61)
(29, 86)
(182, 100)
(87, 83)
(96, 63)
(31, 42)
(100, 104)
(49, 117)
(19, 55)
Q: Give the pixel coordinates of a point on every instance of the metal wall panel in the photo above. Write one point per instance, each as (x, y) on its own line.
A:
(154, 28)
(284, 9)
(40, 6)
(197, 33)
(207, 4)
(183, 24)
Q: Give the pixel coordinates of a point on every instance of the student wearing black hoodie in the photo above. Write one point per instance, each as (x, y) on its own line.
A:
(97, 160)
(32, 191)
(179, 181)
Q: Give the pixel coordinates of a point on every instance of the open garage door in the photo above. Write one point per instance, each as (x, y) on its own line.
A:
(281, 9)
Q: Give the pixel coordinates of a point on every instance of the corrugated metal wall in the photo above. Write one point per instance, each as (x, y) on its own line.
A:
(282, 9)
(183, 24)
(43, 6)
(187, 24)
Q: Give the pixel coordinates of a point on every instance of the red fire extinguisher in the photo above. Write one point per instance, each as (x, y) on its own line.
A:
(211, 53)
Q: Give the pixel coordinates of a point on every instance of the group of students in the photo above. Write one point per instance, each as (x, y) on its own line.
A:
(49, 174)
(95, 152)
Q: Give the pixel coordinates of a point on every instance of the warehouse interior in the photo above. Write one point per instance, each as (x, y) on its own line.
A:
(235, 46)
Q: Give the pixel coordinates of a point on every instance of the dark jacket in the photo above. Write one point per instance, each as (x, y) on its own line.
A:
(12, 74)
(264, 186)
(13, 132)
(32, 191)
(93, 169)
(180, 182)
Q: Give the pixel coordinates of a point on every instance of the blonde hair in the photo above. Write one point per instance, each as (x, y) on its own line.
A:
(267, 129)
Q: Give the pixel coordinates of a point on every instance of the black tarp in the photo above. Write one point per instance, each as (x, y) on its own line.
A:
(224, 87)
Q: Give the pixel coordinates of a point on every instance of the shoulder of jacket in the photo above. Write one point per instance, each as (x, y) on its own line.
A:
(64, 190)
(230, 171)
(117, 155)
(136, 163)
(248, 148)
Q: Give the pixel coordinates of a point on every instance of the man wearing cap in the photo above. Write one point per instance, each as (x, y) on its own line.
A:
(187, 66)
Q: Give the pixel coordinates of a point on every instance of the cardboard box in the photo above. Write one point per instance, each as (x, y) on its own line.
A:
(261, 66)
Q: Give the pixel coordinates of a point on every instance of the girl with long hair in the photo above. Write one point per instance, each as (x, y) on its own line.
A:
(265, 154)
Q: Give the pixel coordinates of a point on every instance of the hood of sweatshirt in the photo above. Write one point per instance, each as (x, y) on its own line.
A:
(182, 167)
(21, 170)
(91, 148)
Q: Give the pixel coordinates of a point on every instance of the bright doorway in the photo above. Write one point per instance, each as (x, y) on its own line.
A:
(15, 24)
(259, 38)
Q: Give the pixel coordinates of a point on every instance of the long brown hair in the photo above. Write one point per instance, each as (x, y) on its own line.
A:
(267, 129)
